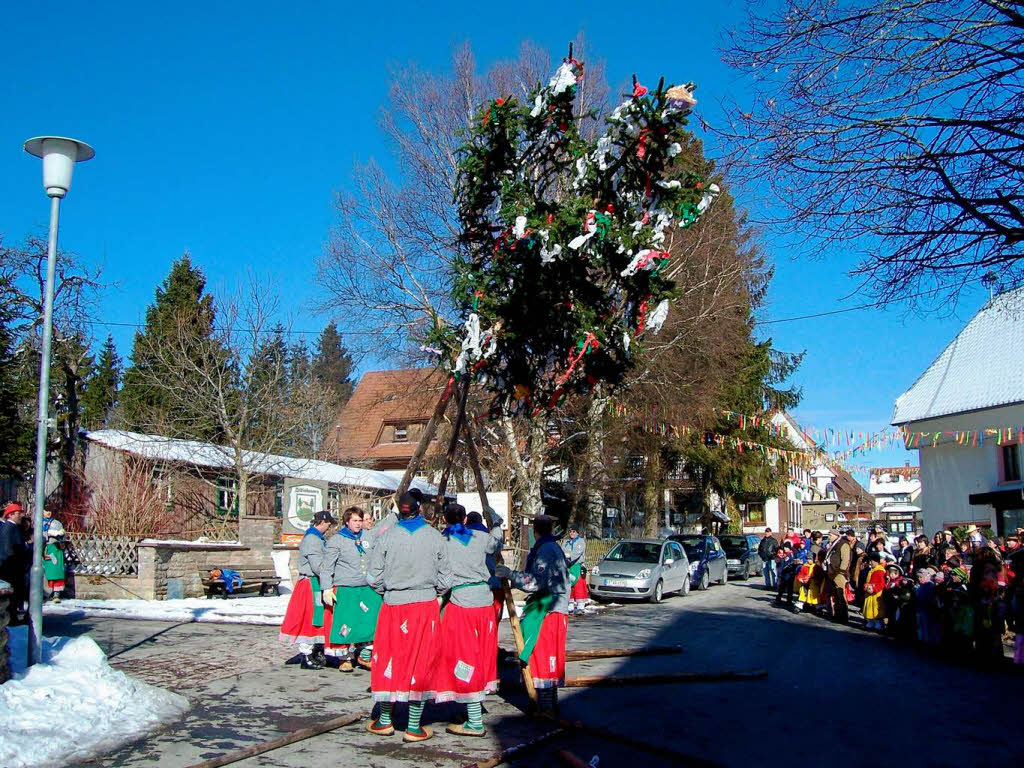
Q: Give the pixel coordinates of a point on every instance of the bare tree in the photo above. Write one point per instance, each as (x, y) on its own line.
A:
(236, 378)
(895, 127)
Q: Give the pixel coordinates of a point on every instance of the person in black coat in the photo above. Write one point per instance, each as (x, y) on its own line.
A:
(13, 560)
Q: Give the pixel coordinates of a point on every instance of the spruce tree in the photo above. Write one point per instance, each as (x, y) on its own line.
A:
(181, 306)
(101, 389)
(332, 363)
(17, 430)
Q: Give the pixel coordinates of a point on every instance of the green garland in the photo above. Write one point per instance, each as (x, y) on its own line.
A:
(563, 262)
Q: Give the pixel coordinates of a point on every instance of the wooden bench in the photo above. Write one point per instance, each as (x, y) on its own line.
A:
(260, 580)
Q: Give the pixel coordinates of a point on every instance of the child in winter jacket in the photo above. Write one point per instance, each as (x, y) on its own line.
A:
(874, 587)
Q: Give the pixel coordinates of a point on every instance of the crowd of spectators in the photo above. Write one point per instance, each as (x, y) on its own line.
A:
(16, 556)
(962, 596)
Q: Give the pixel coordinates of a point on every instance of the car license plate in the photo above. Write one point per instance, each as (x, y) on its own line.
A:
(614, 582)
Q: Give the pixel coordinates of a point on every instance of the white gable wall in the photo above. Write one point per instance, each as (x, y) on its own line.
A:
(951, 472)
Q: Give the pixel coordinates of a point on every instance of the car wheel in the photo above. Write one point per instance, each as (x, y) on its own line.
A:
(746, 572)
(725, 577)
(658, 592)
(686, 586)
(705, 581)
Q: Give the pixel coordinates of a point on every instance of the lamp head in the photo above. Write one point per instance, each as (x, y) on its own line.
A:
(59, 156)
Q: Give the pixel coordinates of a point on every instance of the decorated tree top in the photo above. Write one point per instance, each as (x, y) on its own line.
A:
(562, 271)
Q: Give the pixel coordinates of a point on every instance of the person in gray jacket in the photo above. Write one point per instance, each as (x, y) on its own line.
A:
(575, 548)
(307, 619)
(545, 618)
(468, 668)
(354, 603)
(409, 566)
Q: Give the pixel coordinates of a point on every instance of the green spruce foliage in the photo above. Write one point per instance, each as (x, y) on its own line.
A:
(332, 363)
(101, 388)
(182, 314)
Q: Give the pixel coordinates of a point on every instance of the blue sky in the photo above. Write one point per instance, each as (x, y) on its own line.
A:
(224, 129)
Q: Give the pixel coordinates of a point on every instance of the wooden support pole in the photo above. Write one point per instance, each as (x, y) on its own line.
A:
(506, 587)
(613, 653)
(453, 443)
(280, 741)
(425, 438)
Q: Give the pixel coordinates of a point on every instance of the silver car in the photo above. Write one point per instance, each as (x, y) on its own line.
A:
(641, 569)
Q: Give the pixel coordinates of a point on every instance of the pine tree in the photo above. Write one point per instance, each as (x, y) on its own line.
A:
(181, 307)
(332, 363)
(299, 364)
(101, 389)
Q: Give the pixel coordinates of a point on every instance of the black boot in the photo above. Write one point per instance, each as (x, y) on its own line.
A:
(309, 661)
(318, 654)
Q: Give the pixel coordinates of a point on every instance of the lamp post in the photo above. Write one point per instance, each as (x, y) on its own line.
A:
(59, 156)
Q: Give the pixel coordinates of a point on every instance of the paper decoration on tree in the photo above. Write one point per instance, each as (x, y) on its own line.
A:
(563, 239)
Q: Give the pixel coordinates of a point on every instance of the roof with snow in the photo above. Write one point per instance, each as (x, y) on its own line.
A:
(983, 367)
(196, 453)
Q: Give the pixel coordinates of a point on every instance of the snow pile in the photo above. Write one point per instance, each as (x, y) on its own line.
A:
(250, 610)
(74, 705)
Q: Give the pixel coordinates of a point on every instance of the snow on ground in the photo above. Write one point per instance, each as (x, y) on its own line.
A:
(244, 610)
(75, 705)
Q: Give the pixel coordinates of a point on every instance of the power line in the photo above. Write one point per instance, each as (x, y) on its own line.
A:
(859, 307)
(112, 323)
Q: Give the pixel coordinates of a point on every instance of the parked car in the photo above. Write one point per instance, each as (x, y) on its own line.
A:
(641, 569)
(706, 557)
(741, 554)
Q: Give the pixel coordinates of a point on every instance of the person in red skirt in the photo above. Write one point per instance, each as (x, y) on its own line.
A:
(307, 620)
(475, 522)
(545, 617)
(467, 669)
(575, 547)
(409, 567)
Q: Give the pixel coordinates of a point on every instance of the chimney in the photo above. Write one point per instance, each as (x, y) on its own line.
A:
(906, 463)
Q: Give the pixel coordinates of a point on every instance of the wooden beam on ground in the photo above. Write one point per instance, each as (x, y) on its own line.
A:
(678, 758)
(565, 757)
(613, 653)
(281, 741)
(515, 750)
(615, 681)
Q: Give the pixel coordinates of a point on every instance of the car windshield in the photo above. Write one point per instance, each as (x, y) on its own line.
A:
(635, 552)
(694, 548)
(735, 546)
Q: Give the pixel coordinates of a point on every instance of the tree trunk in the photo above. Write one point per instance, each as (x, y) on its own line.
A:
(594, 469)
(242, 499)
(652, 494)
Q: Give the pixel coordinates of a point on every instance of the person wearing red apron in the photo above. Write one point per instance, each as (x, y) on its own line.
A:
(307, 620)
(575, 548)
(468, 670)
(409, 567)
(545, 617)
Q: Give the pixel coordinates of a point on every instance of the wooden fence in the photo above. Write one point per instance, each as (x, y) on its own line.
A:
(93, 553)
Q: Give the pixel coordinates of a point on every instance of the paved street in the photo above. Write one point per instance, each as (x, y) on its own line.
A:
(825, 685)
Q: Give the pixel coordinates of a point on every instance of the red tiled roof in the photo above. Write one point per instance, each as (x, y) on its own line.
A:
(403, 396)
(848, 489)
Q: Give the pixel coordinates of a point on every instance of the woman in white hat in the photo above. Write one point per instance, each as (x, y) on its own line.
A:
(53, 560)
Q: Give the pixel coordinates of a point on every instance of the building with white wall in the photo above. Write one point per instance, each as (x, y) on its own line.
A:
(969, 405)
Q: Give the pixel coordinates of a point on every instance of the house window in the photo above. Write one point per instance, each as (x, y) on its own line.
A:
(279, 499)
(754, 513)
(401, 434)
(162, 485)
(334, 501)
(227, 495)
(1011, 463)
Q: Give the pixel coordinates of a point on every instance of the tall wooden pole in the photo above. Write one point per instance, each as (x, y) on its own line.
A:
(506, 587)
(425, 438)
(453, 444)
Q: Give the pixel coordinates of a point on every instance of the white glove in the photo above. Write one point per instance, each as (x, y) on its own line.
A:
(502, 571)
(328, 597)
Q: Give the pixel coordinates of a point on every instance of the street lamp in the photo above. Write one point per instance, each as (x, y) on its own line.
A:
(59, 156)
